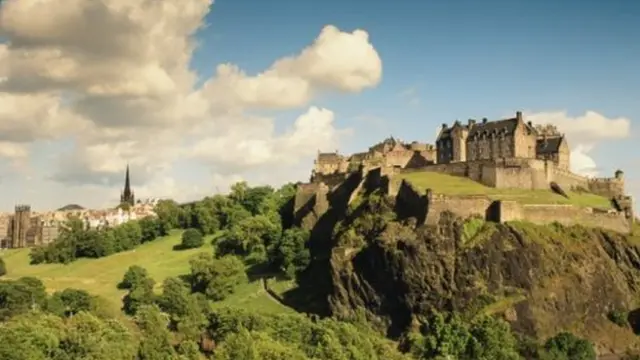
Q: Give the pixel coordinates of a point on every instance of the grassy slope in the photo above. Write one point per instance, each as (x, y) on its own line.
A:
(100, 276)
(453, 185)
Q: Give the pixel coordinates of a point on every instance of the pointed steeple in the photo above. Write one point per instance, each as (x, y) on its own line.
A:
(127, 194)
(127, 182)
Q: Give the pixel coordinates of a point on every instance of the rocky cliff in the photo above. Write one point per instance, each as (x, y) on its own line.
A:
(541, 279)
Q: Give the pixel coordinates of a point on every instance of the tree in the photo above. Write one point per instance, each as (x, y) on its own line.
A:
(134, 276)
(74, 301)
(149, 228)
(3, 267)
(290, 253)
(139, 295)
(156, 341)
(169, 214)
(568, 346)
(251, 237)
(35, 335)
(191, 239)
(20, 296)
(216, 278)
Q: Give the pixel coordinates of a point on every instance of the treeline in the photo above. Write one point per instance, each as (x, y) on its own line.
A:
(252, 223)
(180, 324)
(76, 241)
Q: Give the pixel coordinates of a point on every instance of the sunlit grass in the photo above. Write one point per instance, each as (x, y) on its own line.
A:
(455, 185)
(101, 276)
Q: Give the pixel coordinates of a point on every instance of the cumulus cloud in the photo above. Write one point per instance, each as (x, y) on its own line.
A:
(584, 133)
(114, 77)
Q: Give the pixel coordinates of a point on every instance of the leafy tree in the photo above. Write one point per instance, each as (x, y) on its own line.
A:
(491, 339)
(134, 276)
(3, 267)
(156, 341)
(216, 278)
(204, 216)
(568, 346)
(150, 228)
(289, 253)
(250, 238)
(20, 296)
(73, 301)
(440, 335)
(140, 294)
(36, 336)
(191, 239)
(168, 212)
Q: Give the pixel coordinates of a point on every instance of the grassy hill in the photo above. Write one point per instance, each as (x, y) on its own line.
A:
(454, 185)
(101, 276)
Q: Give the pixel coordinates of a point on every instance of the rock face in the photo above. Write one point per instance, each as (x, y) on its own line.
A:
(541, 279)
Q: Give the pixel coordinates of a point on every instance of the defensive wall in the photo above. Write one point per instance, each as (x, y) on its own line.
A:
(525, 174)
(314, 199)
(428, 206)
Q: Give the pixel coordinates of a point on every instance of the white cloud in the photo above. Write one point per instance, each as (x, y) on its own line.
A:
(114, 76)
(584, 133)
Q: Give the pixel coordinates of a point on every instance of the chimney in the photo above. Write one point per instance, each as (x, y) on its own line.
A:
(530, 123)
(444, 126)
(519, 115)
(471, 122)
(484, 120)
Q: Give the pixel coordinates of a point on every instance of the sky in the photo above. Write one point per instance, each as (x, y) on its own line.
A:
(196, 95)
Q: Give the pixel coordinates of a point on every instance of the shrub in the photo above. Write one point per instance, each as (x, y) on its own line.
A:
(134, 276)
(191, 239)
(568, 346)
(3, 267)
(618, 317)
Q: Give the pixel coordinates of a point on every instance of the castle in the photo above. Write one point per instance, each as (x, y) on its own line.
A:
(508, 153)
(25, 228)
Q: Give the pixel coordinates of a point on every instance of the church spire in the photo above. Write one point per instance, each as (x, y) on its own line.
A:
(127, 194)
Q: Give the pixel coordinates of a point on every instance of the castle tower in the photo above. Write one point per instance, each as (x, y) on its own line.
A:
(21, 224)
(127, 196)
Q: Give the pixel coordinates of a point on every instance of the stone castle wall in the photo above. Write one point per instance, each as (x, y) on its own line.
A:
(525, 174)
(609, 187)
(427, 207)
(463, 206)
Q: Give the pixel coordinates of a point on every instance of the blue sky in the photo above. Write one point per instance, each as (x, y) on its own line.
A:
(441, 61)
(465, 59)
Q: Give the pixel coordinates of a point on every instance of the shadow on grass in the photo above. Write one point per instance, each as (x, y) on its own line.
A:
(181, 247)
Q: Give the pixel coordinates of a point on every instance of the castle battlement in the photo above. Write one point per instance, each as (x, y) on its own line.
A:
(508, 153)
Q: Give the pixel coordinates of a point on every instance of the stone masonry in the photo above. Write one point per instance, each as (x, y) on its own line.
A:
(507, 153)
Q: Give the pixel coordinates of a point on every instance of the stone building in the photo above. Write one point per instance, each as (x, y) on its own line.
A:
(25, 229)
(501, 139)
(389, 152)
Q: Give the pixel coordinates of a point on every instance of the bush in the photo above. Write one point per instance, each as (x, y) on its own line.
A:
(135, 275)
(3, 267)
(568, 346)
(191, 239)
(618, 317)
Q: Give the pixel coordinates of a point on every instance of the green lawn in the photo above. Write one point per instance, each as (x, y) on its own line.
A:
(454, 185)
(101, 276)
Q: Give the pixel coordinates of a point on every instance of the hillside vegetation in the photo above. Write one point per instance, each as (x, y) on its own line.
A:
(101, 276)
(455, 185)
(222, 278)
(540, 279)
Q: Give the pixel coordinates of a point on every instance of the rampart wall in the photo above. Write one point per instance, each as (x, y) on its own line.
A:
(463, 206)
(567, 179)
(427, 208)
(609, 187)
(525, 174)
(569, 214)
